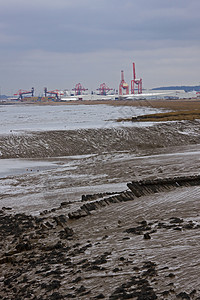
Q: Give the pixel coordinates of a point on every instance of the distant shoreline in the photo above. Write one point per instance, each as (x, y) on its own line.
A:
(180, 104)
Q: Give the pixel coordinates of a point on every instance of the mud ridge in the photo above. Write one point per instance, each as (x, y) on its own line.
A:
(86, 208)
(89, 141)
(52, 257)
(137, 189)
(146, 187)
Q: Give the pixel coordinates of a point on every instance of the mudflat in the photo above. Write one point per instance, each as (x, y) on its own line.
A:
(116, 215)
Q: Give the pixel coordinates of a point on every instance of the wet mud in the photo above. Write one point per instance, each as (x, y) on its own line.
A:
(87, 141)
(116, 217)
(120, 249)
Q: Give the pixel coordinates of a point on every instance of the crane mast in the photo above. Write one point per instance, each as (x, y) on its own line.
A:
(137, 82)
(21, 93)
(79, 89)
(103, 89)
(123, 85)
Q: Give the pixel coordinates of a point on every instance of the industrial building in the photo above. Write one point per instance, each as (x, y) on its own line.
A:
(103, 92)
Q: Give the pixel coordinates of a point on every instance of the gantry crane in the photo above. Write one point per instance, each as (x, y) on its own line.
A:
(123, 85)
(103, 89)
(79, 89)
(138, 82)
(56, 93)
(20, 93)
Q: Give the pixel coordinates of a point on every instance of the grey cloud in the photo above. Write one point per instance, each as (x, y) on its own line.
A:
(94, 26)
(79, 31)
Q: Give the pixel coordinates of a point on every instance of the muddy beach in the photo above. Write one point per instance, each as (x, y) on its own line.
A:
(115, 218)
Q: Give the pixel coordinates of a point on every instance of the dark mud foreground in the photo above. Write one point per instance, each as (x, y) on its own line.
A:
(139, 244)
(142, 243)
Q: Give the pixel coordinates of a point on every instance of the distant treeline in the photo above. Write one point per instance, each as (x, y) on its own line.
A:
(186, 88)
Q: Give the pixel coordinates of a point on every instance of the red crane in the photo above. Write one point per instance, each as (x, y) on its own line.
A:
(20, 93)
(79, 89)
(103, 89)
(123, 85)
(56, 93)
(138, 82)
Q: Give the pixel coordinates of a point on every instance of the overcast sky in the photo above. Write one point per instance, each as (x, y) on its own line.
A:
(58, 43)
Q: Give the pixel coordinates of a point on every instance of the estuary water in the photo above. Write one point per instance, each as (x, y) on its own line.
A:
(32, 184)
(20, 118)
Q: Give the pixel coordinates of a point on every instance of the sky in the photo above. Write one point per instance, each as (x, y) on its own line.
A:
(56, 44)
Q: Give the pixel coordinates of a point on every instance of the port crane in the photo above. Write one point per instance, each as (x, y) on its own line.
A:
(103, 89)
(55, 93)
(137, 82)
(123, 85)
(21, 93)
(79, 89)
